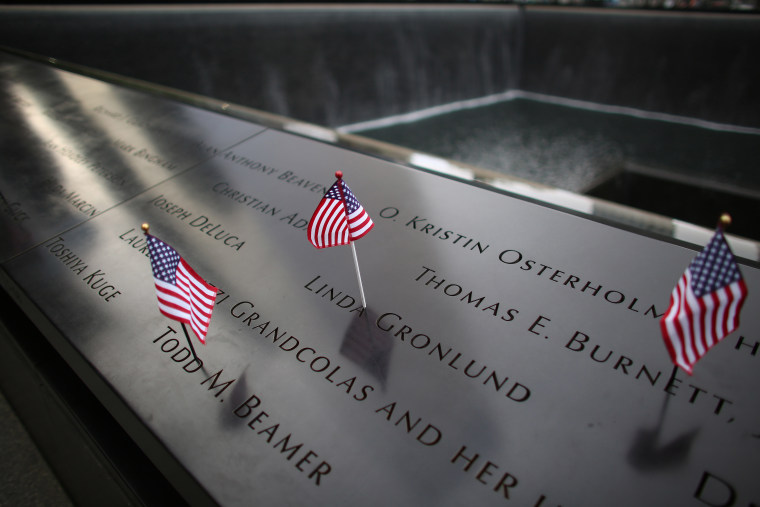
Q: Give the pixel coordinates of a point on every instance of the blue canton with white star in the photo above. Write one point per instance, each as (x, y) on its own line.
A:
(714, 267)
(164, 260)
(352, 204)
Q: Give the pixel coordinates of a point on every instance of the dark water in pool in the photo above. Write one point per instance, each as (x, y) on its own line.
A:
(684, 171)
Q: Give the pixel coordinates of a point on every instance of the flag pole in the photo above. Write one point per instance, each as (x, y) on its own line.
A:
(339, 175)
(192, 349)
(358, 275)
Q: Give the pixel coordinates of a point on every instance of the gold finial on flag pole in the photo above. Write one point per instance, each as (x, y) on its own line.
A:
(146, 227)
(724, 221)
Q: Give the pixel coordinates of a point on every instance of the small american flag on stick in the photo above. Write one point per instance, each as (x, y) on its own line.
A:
(340, 220)
(182, 294)
(705, 304)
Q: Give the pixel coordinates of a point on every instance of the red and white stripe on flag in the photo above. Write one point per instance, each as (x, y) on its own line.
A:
(693, 325)
(190, 301)
(339, 218)
(328, 226)
(359, 224)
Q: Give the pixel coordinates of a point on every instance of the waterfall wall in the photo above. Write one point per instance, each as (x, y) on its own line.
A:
(326, 65)
(689, 64)
(334, 65)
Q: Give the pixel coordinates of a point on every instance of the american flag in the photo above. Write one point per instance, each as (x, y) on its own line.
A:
(339, 219)
(182, 294)
(704, 305)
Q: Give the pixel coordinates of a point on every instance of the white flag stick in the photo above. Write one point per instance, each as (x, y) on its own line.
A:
(358, 275)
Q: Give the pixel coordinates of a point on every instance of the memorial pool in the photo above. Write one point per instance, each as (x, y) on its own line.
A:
(679, 167)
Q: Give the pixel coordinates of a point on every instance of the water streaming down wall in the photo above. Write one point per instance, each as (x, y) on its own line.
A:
(335, 65)
(329, 66)
(338, 65)
(695, 65)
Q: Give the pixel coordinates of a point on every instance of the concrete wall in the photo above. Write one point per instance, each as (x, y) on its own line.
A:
(340, 65)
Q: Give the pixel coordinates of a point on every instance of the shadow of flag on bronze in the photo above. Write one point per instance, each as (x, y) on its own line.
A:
(367, 346)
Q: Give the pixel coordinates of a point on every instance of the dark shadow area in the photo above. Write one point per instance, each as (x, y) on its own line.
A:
(92, 456)
(649, 452)
(368, 346)
(696, 204)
